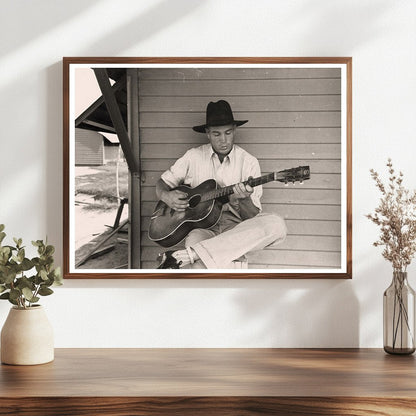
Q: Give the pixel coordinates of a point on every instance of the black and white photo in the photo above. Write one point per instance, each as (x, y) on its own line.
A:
(210, 168)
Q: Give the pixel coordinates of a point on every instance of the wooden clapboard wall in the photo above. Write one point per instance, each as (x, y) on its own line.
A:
(294, 119)
(89, 148)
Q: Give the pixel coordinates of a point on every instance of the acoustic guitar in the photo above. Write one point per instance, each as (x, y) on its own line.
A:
(168, 227)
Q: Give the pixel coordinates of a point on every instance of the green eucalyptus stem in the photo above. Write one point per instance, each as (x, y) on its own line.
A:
(23, 280)
(36, 291)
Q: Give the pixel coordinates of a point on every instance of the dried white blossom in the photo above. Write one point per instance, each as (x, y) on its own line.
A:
(396, 217)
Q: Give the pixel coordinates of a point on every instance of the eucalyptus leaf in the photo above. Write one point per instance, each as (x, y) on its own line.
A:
(27, 293)
(5, 295)
(26, 264)
(37, 280)
(21, 254)
(58, 276)
(9, 277)
(43, 275)
(49, 250)
(5, 250)
(4, 258)
(15, 294)
(24, 282)
(2, 226)
(2, 236)
(48, 260)
(48, 282)
(45, 291)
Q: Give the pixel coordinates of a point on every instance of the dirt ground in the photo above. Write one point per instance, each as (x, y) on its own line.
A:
(117, 258)
(92, 227)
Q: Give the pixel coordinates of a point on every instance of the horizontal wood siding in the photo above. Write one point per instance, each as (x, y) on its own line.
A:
(294, 119)
(88, 148)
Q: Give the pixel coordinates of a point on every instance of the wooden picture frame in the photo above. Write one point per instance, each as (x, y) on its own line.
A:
(300, 112)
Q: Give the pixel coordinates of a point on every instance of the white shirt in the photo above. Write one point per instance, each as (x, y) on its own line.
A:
(201, 163)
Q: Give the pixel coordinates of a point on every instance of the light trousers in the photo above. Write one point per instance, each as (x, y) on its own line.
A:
(232, 237)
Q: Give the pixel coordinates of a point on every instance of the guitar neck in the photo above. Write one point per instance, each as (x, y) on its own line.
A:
(228, 190)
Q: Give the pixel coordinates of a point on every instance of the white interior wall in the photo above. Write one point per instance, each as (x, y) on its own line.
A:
(380, 35)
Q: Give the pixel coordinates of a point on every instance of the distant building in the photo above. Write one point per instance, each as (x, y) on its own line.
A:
(95, 149)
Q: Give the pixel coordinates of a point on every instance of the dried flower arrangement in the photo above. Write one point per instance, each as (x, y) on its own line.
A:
(396, 216)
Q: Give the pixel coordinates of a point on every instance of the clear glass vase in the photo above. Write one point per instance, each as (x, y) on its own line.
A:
(399, 316)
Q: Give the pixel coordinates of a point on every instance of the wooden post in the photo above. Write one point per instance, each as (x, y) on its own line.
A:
(134, 179)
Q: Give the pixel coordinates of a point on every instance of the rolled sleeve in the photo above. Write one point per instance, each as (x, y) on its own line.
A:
(176, 174)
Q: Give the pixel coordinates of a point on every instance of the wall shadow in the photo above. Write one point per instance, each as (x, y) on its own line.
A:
(161, 15)
(42, 16)
(337, 18)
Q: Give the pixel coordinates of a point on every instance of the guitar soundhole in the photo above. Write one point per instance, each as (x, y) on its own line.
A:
(194, 200)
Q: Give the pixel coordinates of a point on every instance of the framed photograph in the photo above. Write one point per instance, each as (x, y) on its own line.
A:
(207, 168)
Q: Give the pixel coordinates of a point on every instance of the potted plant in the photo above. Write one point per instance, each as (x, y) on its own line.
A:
(27, 336)
(396, 217)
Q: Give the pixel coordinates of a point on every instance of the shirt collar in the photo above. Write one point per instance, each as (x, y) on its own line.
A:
(229, 157)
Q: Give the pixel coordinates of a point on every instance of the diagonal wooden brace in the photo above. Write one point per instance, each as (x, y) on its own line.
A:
(116, 118)
(82, 118)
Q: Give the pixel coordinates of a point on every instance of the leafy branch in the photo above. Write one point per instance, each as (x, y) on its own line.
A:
(16, 285)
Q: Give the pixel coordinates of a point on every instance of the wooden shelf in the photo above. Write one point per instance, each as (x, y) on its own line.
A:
(212, 382)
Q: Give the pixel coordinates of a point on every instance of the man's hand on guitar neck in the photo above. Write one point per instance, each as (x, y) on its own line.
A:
(241, 191)
(240, 200)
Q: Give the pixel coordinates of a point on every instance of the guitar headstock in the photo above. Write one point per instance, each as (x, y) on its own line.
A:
(299, 174)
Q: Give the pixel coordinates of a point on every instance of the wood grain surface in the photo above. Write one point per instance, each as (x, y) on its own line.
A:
(212, 381)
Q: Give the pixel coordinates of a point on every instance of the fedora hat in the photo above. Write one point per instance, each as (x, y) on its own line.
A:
(218, 114)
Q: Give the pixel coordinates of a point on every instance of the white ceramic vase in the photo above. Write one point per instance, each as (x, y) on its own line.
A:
(27, 337)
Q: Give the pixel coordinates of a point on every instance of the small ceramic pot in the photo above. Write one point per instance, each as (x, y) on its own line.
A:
(27, 337)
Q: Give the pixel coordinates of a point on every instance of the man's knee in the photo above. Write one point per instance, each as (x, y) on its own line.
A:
(195, 236)
(275, 226)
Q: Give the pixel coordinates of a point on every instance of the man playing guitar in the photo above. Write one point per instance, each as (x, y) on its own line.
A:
(241, 227)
